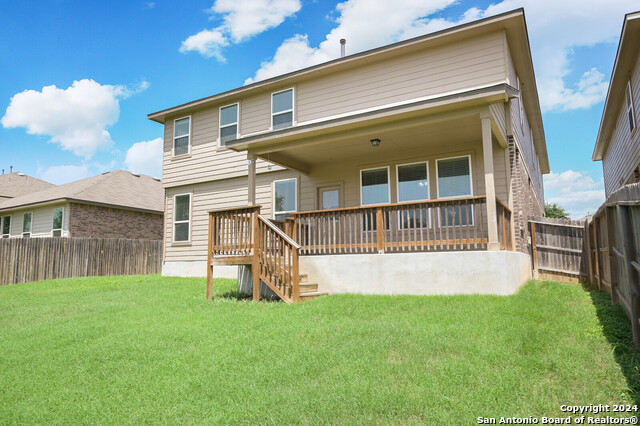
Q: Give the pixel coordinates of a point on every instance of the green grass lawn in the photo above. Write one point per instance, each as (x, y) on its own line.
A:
(148, 349)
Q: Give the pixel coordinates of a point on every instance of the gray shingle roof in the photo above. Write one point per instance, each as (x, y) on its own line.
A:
(16, 184)
(118, 189)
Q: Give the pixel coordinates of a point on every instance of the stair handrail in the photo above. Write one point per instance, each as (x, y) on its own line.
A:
(276, 263)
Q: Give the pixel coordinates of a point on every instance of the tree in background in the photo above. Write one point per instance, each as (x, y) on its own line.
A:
(555, 210)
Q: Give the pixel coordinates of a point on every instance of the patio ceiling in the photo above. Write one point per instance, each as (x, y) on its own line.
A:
(416, 135)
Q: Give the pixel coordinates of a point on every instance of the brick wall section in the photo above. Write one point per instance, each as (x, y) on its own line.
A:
(525, 202)
(86, 220)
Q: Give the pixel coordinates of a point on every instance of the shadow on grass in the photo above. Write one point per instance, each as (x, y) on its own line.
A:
(617, 329)
(238, 296)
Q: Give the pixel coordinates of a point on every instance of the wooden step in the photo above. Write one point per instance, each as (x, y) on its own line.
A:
(307, 287)
(312, 295)
(304, 278)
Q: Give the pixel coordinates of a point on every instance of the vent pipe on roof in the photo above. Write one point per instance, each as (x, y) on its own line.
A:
(10, 169)
(342, 45)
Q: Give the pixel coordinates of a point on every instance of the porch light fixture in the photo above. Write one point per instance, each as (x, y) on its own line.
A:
(375, 142)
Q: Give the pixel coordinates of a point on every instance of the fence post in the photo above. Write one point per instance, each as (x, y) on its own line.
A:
(613, 271)
(380, 229)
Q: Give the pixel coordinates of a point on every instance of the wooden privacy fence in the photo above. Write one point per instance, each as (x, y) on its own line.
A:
(614, 251)
(34, 259)
(557, 248)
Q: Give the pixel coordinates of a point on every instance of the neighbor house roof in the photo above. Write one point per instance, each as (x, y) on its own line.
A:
(628, 50)
(513, 23)
(16, 184)
(120, 189)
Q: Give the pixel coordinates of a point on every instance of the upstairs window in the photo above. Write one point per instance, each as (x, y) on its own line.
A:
(374, 186)
(285, 194)
(520, 105)
(282, 109)
(6, 226)
(181, 218)
(228, 123)
(56, 230)
(26, 225)
(181, 136)
(630, 111)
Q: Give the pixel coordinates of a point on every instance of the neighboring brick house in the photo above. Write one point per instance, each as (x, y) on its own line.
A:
(115, 204)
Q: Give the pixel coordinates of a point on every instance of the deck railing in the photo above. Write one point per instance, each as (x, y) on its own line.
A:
(230, 231)
(437, 225)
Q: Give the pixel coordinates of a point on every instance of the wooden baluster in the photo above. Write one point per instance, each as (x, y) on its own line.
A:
(380, 230)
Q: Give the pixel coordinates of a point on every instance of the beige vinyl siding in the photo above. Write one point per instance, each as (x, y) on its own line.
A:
(462, 66)
(41, 220)
(512, 78)
(623, 153)
(207, 161)
(232, 192)
(255, 114)
(524, 141)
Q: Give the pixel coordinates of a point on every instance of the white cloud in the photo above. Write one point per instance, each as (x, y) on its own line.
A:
(241, 20)
(145, 157)
(60, 175)
(555, 28)
(150, 4)
(207, 42)
(355, 25)
(76, 117)
(576, 192)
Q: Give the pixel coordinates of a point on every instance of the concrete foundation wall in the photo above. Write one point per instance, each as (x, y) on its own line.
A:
(197, 269)
(479, 272)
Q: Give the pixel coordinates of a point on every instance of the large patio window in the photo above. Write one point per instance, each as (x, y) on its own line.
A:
(26, 225)
(228, 123)
(282, 109)
(181, 218)
(6, 226)
(56, 230)
(454, 181)
(181, 136)
(413, 185)
(374, 187)
(285, 198)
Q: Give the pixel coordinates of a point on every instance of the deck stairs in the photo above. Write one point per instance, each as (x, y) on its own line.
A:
(309, 290)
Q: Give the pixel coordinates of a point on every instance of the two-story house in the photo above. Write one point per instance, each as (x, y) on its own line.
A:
(618, 142)
(410, 168)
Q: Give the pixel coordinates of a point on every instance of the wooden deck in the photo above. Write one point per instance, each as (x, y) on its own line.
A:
(242, 236)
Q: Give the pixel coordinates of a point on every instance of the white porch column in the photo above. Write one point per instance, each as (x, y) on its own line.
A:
(252, 178)
(490, 188)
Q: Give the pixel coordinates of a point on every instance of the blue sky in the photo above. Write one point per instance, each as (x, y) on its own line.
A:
(79, 78)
